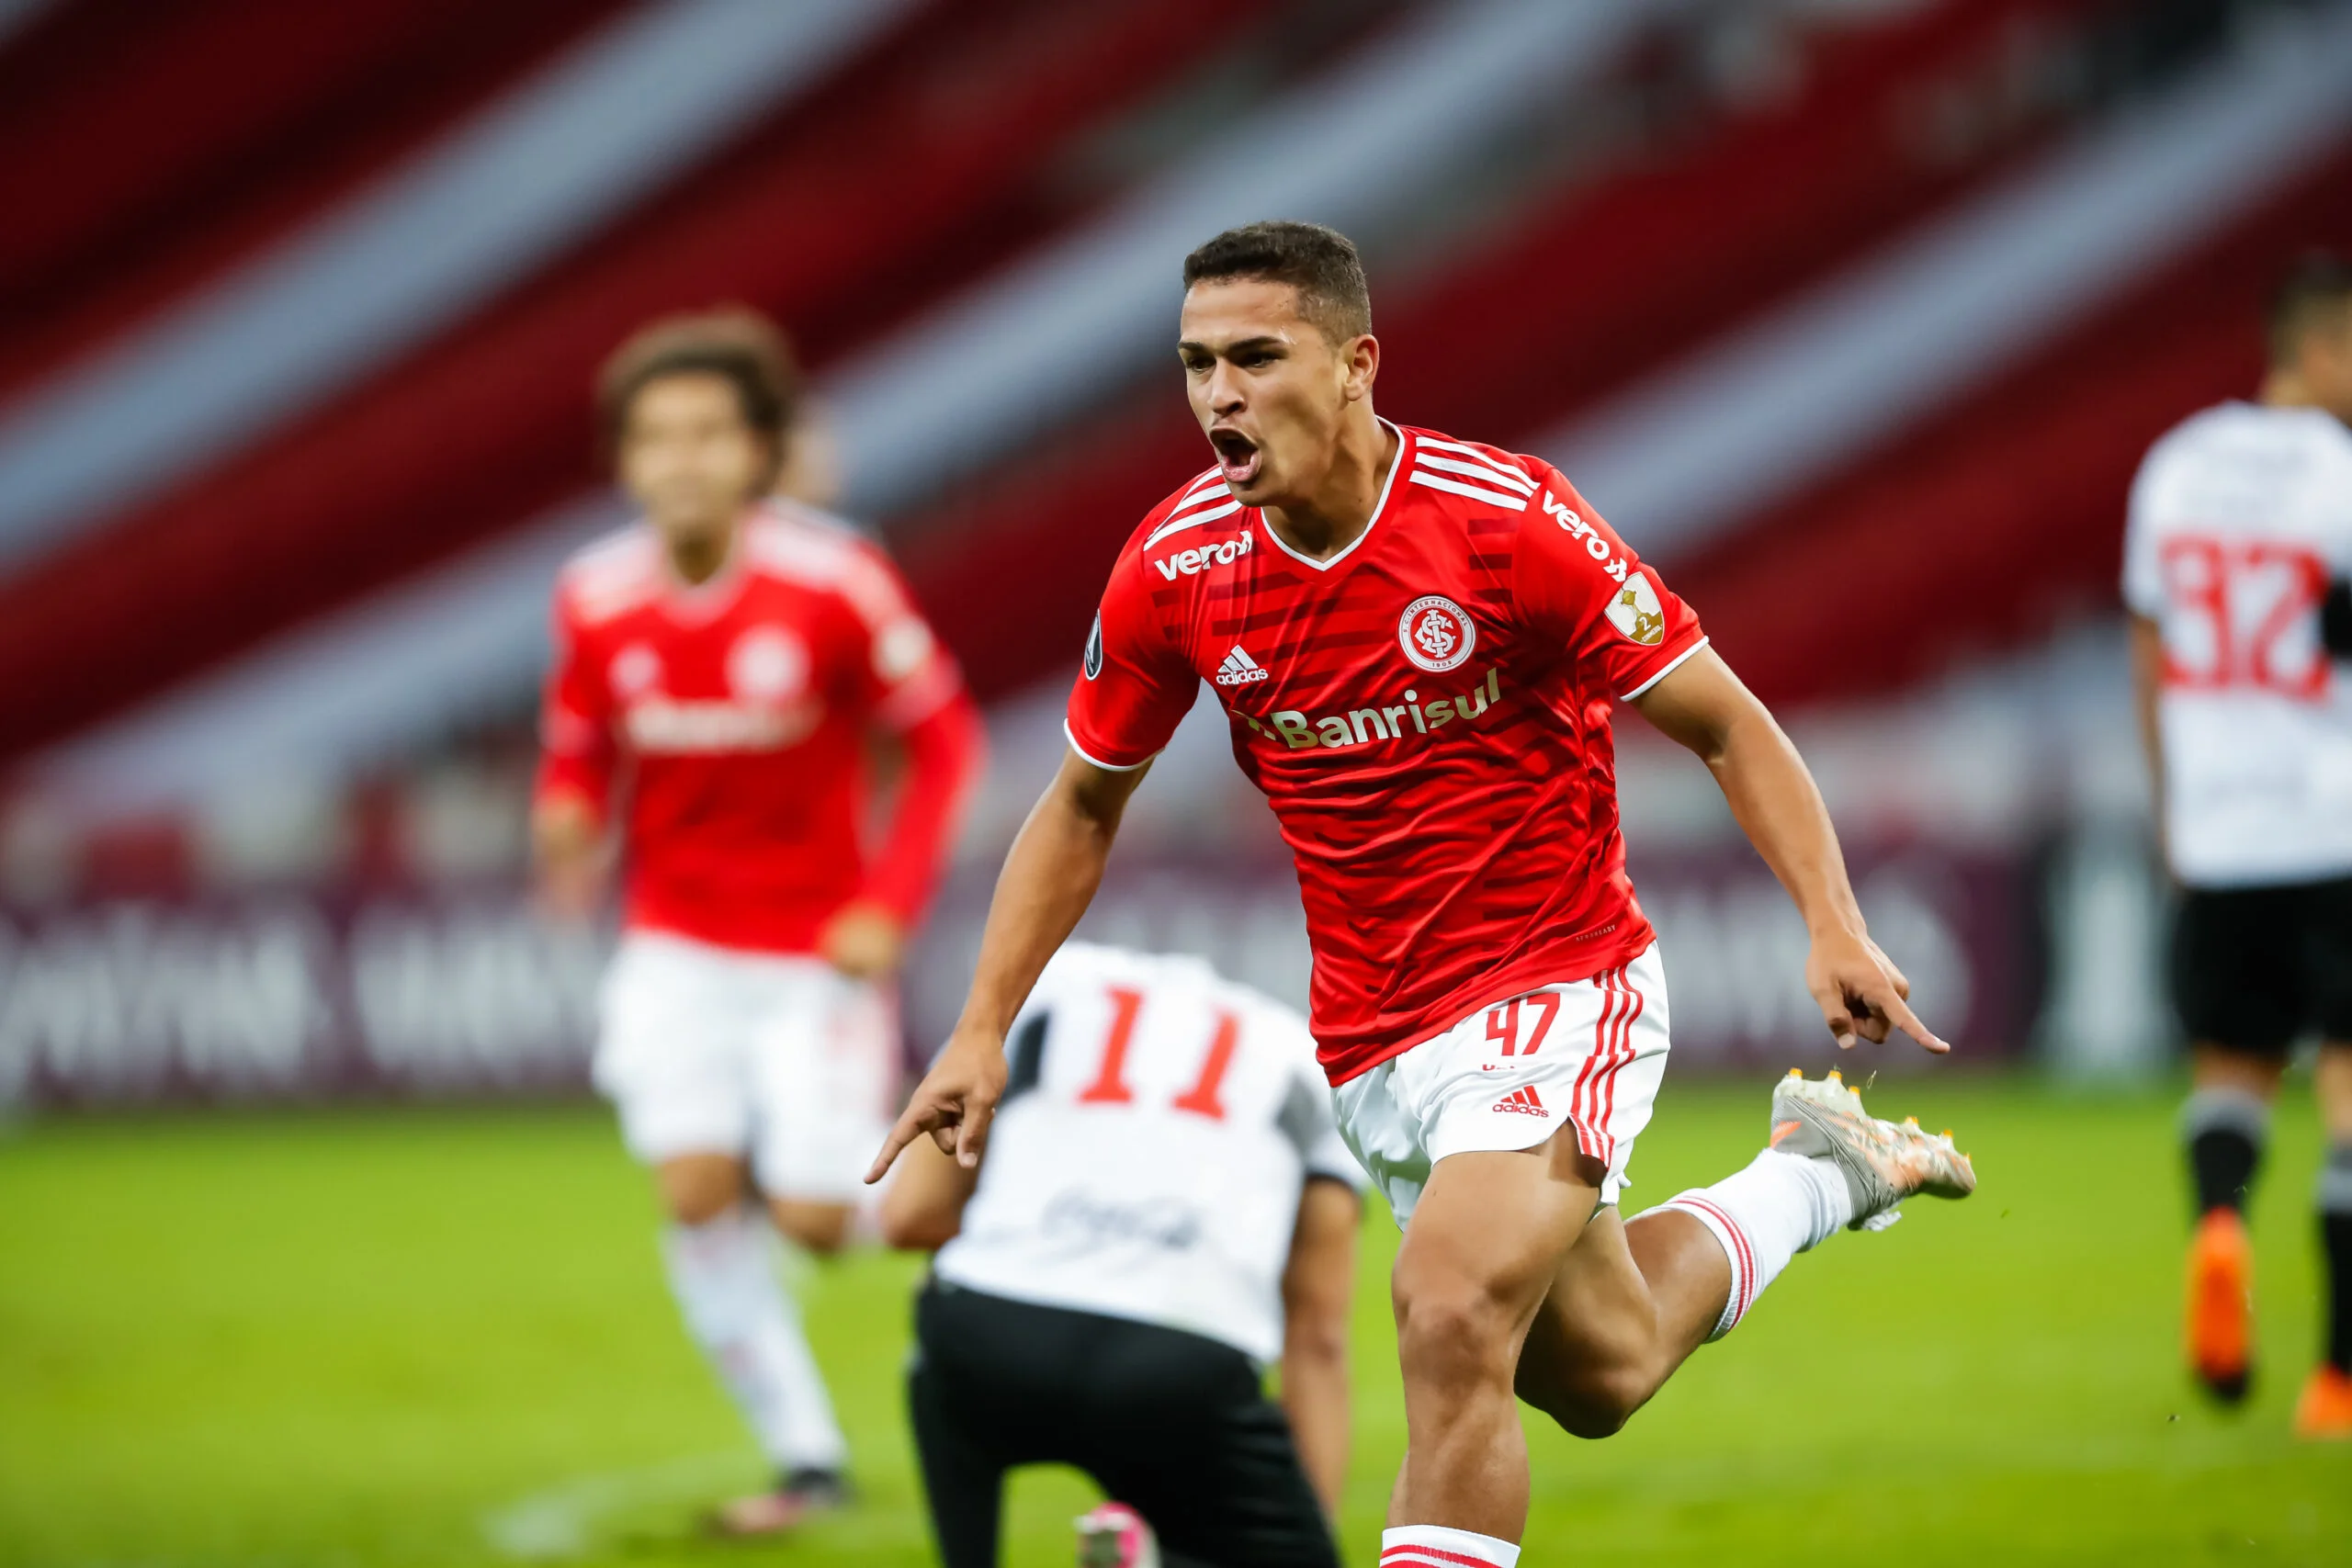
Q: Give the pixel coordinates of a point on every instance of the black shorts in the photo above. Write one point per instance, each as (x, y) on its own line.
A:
(2254, 967)
(1173, 1423)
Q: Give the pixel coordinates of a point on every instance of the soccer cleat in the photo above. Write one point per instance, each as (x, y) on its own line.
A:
(794, 1500)
(2220, 1319)
(1115, 1536)
(1884, 1163)
(2325, 1411)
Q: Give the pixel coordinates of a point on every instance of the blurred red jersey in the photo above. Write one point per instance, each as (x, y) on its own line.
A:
(1426, 712)
(735, 713)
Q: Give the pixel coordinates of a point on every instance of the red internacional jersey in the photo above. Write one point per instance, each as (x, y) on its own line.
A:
(735, 712)
(1427, 712)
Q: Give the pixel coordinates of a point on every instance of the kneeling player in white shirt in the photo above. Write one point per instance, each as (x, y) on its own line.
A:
(2238, 574)
(1165, 1208)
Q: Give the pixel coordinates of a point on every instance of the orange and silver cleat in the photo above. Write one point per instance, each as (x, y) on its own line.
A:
(2220, 1306)
(2324, 1412)
(1884, 1162)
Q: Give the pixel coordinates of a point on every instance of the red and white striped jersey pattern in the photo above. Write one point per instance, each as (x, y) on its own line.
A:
(734, 712)
(1428, 712)
(1158, 1126)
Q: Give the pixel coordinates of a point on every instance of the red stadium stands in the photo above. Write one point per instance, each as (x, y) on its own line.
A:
(920, 147)
(275, 109)
(955, 135)
(1982, 528)
(1589, 289)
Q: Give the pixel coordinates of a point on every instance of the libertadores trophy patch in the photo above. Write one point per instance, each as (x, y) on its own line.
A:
(1635, 612)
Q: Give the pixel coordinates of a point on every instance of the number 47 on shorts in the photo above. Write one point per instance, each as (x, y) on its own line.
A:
(1503, 1029)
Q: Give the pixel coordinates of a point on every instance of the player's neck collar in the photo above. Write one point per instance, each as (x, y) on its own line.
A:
(705, 599)
(1379, 507)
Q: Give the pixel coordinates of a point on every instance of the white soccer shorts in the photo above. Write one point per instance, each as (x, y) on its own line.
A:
(713, 1050)
(1587, 1055)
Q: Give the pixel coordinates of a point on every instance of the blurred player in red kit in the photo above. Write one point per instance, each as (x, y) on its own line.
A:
(2238, 575)
(722, 666)
(1418, 641)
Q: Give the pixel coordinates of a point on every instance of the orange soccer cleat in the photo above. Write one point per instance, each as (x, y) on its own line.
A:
(2324, 1412)
(2220, 1305)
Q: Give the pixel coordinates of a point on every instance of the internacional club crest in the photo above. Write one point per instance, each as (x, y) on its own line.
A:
(1635, 612)
(1435, 633)
(767, 664)
(636, 670)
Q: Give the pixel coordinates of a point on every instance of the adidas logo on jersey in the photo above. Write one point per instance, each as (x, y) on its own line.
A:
(1240, 669)
(1523, 1100)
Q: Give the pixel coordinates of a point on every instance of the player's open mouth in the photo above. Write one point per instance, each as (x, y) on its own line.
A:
(1236, 456)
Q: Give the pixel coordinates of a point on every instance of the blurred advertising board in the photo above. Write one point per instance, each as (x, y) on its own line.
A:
(293, 996)
(298, 996)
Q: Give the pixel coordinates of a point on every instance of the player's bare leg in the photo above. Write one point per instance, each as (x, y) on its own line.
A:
(1513, 1281)
(1622, 1304)
(1634, 1298)
(722, 1269)
(2324, 1409)
(1628, 1305)
(1481, 1252)
(697, 1187)
(819, 1227)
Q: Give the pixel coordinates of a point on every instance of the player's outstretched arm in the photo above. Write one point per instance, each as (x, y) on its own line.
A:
(1702, 705)
(567, 855)
(1048, 879)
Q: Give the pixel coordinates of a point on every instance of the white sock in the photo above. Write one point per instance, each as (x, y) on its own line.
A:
(723, 1273)
(1437, 1546)
(1781, 1205)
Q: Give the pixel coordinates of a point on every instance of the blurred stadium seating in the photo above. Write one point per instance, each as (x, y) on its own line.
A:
(1854, 314)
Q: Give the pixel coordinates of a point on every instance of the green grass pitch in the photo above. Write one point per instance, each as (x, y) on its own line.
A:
(440, 1337)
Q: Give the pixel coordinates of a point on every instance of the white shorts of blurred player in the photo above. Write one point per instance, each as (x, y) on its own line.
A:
(1587, 1055)
(776, 1058)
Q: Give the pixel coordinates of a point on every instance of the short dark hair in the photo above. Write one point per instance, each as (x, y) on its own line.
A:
(2315, 293)
(734, 341)
(1320, 263)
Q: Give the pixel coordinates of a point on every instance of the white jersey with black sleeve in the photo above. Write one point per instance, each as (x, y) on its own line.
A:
(1157, 1127)
(2240, 519)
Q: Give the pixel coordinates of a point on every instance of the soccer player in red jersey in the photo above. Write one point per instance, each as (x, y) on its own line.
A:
(722, 665)
(1418, 641)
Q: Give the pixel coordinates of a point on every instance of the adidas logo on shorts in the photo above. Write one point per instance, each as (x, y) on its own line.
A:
(1523, 1101)
(1240, 669)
